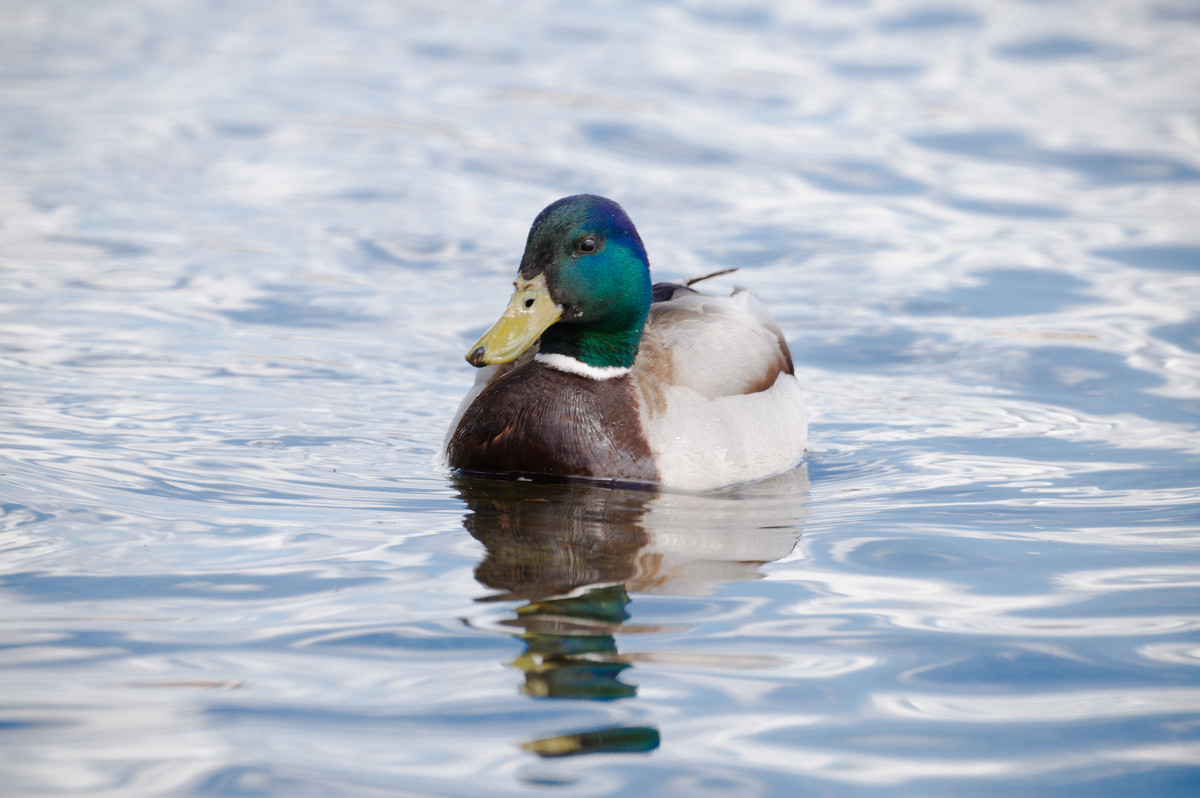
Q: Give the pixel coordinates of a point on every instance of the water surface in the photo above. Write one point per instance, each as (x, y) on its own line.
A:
(243, 252)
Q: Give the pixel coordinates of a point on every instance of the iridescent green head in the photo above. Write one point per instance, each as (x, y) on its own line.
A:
(583, 286)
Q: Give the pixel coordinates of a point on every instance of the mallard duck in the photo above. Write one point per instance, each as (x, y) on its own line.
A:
(594, 372)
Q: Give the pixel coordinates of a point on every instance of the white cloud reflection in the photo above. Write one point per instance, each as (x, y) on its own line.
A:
(748, 743)
(1040, 707)
(938, 605)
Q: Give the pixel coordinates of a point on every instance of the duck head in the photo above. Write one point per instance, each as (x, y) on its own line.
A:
(583, 288)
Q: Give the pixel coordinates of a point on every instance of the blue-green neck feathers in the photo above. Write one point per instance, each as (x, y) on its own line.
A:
(596, 269)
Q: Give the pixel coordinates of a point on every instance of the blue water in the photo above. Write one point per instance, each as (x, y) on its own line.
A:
(243, 251)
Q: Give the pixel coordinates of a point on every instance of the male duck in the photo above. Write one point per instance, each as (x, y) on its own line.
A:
(629, 382)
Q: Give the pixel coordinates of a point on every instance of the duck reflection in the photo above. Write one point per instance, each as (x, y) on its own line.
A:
(574, 552)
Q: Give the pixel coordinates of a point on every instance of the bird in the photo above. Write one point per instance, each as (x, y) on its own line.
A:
(594, 372)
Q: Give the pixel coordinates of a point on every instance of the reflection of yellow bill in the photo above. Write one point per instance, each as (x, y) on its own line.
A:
(529, 313)
(627, 739)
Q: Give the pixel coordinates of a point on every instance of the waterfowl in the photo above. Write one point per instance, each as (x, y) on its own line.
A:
(593, 371)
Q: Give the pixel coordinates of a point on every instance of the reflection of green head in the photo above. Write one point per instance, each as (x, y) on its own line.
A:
(597, 270)
(618, 739)
(570, 650)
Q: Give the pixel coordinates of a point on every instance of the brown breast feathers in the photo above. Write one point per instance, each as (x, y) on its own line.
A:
(536, 420)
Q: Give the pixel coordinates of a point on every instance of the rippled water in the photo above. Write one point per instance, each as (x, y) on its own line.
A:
(243, 252)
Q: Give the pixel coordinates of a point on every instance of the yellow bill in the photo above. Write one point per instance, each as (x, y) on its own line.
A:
(529, 313)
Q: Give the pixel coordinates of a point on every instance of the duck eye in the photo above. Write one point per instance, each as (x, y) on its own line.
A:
(587, 245)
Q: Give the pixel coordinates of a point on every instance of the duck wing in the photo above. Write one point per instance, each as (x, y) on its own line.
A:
(719, 402)
(718, 346)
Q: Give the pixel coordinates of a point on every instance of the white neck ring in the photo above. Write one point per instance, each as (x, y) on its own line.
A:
(572, 366)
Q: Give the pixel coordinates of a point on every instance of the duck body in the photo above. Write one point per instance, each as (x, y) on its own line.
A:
(593, 372)
(535, 419)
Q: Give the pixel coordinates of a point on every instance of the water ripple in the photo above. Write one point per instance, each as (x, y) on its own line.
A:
(1072, 706)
